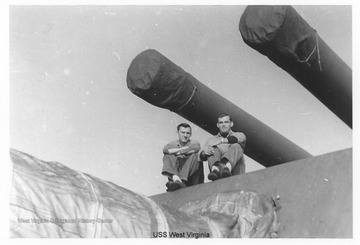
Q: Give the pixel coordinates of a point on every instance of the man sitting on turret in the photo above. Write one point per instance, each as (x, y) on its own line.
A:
(224, 151)
(180, 161)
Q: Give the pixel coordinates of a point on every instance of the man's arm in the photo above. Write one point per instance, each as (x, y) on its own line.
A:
(193, 147)
(176, 151)
(173, 149)
(235, 138)
(170, 148)
(240, 139)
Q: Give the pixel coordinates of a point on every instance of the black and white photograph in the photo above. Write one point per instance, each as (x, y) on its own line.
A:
(181, 120)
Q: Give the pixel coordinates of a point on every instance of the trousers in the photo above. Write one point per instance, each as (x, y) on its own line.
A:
(188, 168)
(234, 154)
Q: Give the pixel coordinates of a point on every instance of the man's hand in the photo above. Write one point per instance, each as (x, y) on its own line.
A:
(208, 151)
(179, 155)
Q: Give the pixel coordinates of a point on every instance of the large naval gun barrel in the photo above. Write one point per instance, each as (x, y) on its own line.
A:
(157, 80)
(282, 35)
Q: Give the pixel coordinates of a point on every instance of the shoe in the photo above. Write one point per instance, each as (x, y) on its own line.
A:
(225, 172)
(174, 185)
(214, 175)
(168, 184)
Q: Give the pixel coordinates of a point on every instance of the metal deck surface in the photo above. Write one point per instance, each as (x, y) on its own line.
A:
(315, 194)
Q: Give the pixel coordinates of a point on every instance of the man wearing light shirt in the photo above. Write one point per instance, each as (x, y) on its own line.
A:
(180, 161)
(224, 151)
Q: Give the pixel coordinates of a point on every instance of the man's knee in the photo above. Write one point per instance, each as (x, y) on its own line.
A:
(217, 150)
(193, 156)
(235, 150)
(169, 161)
(169, 158)
(192, 159)
(235, 147)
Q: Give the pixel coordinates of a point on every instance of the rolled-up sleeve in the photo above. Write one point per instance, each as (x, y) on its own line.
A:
(241, 139)
(194, 145)
(168, 146)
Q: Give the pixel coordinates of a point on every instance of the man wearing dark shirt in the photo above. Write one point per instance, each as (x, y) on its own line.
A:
(180, 161)
(224, 151)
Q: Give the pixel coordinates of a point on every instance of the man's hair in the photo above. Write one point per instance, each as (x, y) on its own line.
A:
(221, 115)
(184, 125)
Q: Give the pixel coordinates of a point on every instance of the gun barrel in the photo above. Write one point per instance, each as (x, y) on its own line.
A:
(159, 81)
(282, 35)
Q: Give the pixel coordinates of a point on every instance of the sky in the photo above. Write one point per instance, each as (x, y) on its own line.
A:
(69, 101)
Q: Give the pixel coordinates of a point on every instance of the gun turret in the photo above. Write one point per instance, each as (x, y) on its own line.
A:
(159, 81)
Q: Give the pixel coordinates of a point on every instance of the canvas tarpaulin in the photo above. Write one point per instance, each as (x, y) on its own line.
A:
(50, 200)
(255, 214)
(159, 81)
(269, 29)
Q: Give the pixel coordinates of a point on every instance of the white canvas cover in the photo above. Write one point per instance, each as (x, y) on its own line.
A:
(50, 200)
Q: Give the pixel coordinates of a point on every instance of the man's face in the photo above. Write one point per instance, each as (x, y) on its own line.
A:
(184, 134)
(224, 124)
